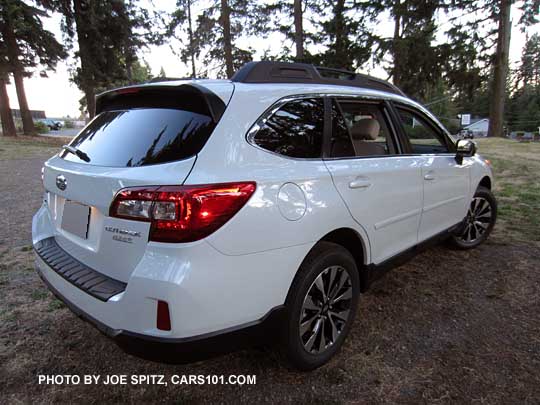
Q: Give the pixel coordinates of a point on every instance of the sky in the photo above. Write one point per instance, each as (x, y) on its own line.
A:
(59, 97)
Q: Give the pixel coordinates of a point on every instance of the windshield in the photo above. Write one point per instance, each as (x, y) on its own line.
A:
(142, 136)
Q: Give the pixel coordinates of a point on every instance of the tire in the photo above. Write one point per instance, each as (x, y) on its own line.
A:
(311, 346)
(478, 223)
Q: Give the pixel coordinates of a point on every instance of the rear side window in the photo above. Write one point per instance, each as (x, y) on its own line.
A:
(295, 130)
(142, 136)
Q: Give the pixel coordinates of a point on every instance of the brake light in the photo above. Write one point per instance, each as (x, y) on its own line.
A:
(182, 213)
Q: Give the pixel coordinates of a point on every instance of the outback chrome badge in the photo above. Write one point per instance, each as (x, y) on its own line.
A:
(123, 235)
(61, 182)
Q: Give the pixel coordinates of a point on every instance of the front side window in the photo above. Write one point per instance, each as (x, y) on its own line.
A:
(295, 130)
(424, 139)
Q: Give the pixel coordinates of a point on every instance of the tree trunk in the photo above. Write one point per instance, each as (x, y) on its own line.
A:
(8, 126)
(129, 70)
(191, 42)
(90, 96)
(298, 30)
(26, 115)
(396, 75)
(227, 41)
(342, 57)
(87, 84)
(13, 53)
(498, 86)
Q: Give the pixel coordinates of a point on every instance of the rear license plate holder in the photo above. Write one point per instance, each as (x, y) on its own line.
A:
(76, 218)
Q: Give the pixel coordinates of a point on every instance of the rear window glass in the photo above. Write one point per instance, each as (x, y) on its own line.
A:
(142, 136)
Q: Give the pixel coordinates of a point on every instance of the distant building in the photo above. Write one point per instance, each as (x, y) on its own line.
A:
(36, 114)
(479, 127)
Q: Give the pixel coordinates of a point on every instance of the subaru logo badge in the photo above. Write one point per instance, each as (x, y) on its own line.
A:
(61, 182)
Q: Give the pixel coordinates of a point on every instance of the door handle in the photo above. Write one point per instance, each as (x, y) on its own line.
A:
(429, 177)
(359, 183)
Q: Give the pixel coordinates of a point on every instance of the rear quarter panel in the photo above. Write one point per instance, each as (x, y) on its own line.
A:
(260, 226)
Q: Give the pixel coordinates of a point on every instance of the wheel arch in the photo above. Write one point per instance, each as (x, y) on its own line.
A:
(485, 182)
(351, 240)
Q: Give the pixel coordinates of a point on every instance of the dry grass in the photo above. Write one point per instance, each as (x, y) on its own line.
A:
(448, 327)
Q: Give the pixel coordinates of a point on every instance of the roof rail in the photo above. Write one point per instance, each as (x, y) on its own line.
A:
(283, 72)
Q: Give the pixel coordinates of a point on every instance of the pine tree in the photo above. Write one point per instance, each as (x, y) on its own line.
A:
(415, 60)
(107, 62)
(342, 28)
(28, 45)
(181, 22)
(220, 26)
(529, 70)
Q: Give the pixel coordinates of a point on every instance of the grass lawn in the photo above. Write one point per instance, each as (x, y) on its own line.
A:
(24, 147)
(516, 167)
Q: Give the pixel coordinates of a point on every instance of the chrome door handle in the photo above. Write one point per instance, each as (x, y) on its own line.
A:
(359, 184)
(429, 177)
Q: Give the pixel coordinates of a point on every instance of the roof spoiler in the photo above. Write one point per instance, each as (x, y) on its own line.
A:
(283, 72)
(197, 98)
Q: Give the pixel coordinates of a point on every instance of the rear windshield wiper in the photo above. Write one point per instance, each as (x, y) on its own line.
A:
(77, 152)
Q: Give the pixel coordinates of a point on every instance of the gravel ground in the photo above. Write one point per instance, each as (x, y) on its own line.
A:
(448, 327)
(20, 198)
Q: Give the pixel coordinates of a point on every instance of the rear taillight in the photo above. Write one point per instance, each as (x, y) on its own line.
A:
(182, 213)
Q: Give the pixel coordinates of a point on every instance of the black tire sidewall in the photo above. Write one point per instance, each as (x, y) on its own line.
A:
(320, 258)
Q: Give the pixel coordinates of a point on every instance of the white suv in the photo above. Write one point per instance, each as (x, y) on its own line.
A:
(192, 216)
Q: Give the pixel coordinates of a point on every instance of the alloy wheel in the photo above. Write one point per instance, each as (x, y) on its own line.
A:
(477, 221)
(326, 309)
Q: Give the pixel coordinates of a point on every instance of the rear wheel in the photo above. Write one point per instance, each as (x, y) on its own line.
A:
(479, 222)
(321, 306)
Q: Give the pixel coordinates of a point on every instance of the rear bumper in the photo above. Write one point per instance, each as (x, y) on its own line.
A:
(183, 350)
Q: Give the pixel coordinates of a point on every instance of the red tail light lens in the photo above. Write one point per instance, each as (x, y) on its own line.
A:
(182, 213)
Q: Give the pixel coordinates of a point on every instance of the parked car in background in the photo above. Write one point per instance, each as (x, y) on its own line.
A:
(54, 125)
(200, 215)
(465, 134)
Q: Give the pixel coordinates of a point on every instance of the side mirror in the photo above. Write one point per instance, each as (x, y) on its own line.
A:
(464, 148)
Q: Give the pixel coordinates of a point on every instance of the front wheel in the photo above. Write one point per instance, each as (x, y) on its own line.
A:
(479, 222)
(321, 306)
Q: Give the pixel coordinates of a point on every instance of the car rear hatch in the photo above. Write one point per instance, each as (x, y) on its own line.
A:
(141, 136)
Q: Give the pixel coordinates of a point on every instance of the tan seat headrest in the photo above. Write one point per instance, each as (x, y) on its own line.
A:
(366, 129)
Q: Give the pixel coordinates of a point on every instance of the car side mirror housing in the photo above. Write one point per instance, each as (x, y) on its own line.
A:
(464, 148)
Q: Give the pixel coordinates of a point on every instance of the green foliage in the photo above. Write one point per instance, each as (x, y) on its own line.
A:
(41, 128)
(523, 111)
(68, 124)
(246, 18)
(343, 29)
(528, 74)
(109, 34)
(523, 105)
(35, 46)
